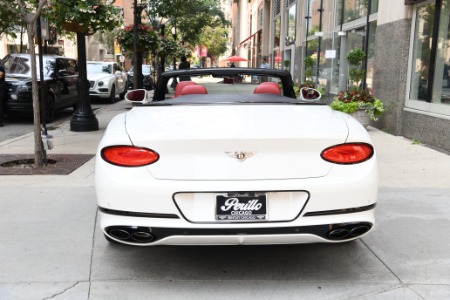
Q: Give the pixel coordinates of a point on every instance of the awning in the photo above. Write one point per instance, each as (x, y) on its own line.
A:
(240, 44)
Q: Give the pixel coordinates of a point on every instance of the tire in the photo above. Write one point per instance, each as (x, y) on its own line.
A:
(50, 109)
(112, 95)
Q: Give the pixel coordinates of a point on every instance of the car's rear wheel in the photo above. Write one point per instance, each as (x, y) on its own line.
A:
(112, 95)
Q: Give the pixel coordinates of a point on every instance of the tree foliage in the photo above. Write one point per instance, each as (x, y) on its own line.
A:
(190, 17)
(8, 22)
(215, 39)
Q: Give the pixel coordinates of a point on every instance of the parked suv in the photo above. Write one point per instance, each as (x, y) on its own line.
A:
(147, 78)
(60, 79)
(106, 80)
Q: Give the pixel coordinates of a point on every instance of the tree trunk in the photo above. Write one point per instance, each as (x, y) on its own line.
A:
(38, 152)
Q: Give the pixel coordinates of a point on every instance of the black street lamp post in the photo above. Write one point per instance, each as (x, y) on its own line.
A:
(163, 59)
(174, 35)
(83, 118)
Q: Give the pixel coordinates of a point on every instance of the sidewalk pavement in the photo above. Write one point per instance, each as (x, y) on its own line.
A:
(51, 246)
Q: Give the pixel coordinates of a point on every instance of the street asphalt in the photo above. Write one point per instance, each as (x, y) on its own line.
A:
(51, 246)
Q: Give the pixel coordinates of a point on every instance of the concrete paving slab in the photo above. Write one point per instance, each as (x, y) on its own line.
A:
(432, 291)
(399, 293)
(54, 291)
(402, 163)
(348, 262)
(46, 234)
(411, 234)
(199, 290)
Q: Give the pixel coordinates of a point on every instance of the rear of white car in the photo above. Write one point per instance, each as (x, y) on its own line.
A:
(236, 174)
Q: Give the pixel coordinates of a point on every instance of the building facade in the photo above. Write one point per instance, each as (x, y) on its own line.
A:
(406, 43)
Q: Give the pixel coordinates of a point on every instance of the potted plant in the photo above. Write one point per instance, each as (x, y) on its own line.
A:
(147, 38)
(84, 16)
(360, 103)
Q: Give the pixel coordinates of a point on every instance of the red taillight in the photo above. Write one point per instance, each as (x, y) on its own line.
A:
(129, 156)
(348, 153)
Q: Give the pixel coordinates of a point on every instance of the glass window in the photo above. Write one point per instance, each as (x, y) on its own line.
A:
(276, 42)
(441, 85)
(291, 23)
(422, 51)
(355, 9)
(314, 16)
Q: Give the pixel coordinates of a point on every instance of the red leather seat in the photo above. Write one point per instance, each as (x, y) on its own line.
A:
(181, 85)
(267, 88)
(193, 89)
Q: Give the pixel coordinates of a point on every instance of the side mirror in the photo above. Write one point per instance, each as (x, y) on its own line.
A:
(118, 73)
(139, 96)
(310, 94)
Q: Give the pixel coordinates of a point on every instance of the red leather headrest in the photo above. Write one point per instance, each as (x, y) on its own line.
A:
(267, 88)
(181, 85)
(193, 89)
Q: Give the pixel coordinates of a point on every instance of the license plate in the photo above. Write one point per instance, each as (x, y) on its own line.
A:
(241, 207)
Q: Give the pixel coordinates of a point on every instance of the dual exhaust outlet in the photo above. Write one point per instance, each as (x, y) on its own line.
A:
(144, 235)
(348, 231)
(141, 235)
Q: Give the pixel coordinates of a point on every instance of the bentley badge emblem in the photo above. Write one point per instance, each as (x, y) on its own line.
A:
(240, 155)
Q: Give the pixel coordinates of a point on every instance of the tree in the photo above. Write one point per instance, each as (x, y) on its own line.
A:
(29, 11)
(8, 22)
(100, 15)
(215, 39)
(85, 17)
(189, 16)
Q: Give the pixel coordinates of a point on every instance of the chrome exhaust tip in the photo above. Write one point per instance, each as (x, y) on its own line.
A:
(130, 234)
(142, 237)
(348, 231)
(359, 230)
(120, 234)
(339, 234)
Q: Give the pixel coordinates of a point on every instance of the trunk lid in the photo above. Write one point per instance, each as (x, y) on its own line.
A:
(198, 142)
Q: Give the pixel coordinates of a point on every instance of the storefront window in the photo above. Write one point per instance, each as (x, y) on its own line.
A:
(276, 42)
(291, 23)
(354, 10)
(422, 52)
(441, 86)
(430, 64)
(313, 16)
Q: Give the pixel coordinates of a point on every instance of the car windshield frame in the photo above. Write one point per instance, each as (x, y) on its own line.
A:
(284, 78)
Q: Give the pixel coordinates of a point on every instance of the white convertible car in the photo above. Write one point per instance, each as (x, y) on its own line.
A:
(106, 80)
(234, 157)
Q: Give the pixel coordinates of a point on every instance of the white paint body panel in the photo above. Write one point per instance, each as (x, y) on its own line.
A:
(193, 168)
(287, 140)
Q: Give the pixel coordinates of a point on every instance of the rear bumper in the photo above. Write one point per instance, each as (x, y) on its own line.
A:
(141, 231)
